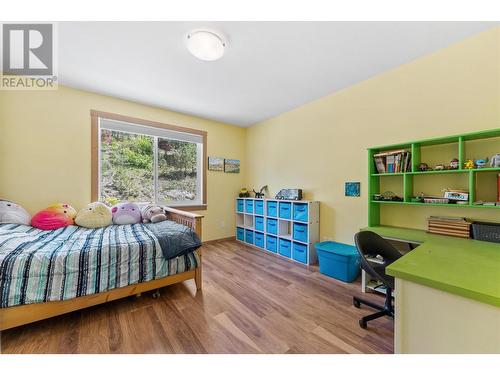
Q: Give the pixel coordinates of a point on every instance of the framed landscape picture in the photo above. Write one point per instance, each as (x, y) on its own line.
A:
(352, 189)
(215, 163)
(231, 166)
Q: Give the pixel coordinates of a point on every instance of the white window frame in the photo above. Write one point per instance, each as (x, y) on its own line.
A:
(156, 131)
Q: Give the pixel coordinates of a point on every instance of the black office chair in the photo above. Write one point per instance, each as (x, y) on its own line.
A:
(370, 245)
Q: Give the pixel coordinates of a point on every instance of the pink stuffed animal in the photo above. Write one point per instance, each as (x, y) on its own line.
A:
(126, 213)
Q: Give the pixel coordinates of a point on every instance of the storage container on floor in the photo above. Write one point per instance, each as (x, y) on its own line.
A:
(338, 260)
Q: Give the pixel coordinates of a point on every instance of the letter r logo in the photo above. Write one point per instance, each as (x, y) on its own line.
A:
(27, 49)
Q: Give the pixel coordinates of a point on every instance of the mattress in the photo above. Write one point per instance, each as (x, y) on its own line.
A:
(41, 266)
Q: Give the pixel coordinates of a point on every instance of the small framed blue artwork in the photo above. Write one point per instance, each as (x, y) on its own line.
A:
(352, 189)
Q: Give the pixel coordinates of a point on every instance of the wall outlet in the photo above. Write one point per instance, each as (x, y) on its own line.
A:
(222, 224)
(326, 239)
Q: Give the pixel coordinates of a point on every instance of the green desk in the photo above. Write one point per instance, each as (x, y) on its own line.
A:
(456, 266)
(465, 267)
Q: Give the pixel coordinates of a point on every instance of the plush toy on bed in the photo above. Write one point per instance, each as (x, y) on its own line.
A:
(95, 215)
(11, 213)
(153, 214)
(54, 217)
(126, 213)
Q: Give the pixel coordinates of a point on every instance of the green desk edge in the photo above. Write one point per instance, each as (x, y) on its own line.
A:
(465, 267)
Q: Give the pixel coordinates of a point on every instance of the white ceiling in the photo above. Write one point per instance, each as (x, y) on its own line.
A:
(268, 67)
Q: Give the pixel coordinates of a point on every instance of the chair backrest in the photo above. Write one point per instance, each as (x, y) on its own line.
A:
(370, 244)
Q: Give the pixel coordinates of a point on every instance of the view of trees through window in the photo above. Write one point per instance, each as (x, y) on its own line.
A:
(128, 168)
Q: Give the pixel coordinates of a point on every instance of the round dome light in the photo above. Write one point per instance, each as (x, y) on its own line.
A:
(205, 45)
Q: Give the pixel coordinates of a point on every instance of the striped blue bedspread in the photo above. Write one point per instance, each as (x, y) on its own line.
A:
(40, 266)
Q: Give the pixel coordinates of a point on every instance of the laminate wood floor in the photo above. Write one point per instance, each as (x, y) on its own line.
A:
(251, 302)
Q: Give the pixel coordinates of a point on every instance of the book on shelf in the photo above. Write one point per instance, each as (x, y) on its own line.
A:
(450, 226)
(395, 161)
(498, 190)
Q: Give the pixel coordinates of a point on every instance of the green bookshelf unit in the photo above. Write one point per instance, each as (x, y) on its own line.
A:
(480, 183)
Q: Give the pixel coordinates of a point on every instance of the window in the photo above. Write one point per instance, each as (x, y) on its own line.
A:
(146, 161)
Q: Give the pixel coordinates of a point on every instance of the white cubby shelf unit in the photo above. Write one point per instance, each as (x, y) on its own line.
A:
(287, 228)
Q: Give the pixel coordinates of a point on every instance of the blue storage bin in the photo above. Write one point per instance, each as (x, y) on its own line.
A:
(259, 240)
(285, 210)
(300, 232)
(249, 236)
(249, 206)
(272, 226)
(240, 205)
(300, 212)
(299, 252)
(338, 260)
(259, 207)
(240, 234)
(272, 243)
(259, 223)
(272, 208)
(285, 248)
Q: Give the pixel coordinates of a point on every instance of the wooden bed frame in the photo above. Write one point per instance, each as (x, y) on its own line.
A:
(19, 315)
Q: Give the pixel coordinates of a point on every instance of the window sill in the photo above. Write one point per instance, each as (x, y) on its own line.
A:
(200, 207)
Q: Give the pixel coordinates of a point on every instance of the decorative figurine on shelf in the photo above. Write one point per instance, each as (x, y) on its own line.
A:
(480, 163)
(244, 193)
(260, 194)
(418, 198)
(454, 163)
(439, 167)
(423, 167)
(495, 161)
(390, 196)
(469, 164)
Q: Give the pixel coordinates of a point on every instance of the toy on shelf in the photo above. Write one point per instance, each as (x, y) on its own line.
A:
(387, 196)
(469, 164)
(454, 163)
(439, 167)
(260, 194)
(480, 163)
(244, 193)
(290, 194)
(495, 161)
(456, 195)
(423, 167)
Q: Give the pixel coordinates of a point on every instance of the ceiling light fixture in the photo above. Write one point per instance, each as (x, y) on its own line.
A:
(205, 45)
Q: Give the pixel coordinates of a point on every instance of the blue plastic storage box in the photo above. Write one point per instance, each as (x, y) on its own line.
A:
(240, 207)
(259, 239)
(259, 207)
(272, 208)
(338, 260)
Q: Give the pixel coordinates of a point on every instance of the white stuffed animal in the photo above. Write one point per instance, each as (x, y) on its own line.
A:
(11, 213)
(153, 214)
(495, 161)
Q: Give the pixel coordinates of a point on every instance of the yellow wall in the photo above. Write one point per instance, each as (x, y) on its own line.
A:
(322, 144)
(45, 150)
(45, 138)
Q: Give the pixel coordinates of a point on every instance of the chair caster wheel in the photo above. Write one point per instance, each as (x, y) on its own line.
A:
(156, 294)
(363, 324)
(356, 303)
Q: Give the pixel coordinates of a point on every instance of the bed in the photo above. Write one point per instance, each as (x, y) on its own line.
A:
(49, 273)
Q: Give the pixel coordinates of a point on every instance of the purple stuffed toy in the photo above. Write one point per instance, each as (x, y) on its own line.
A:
(126, 213)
